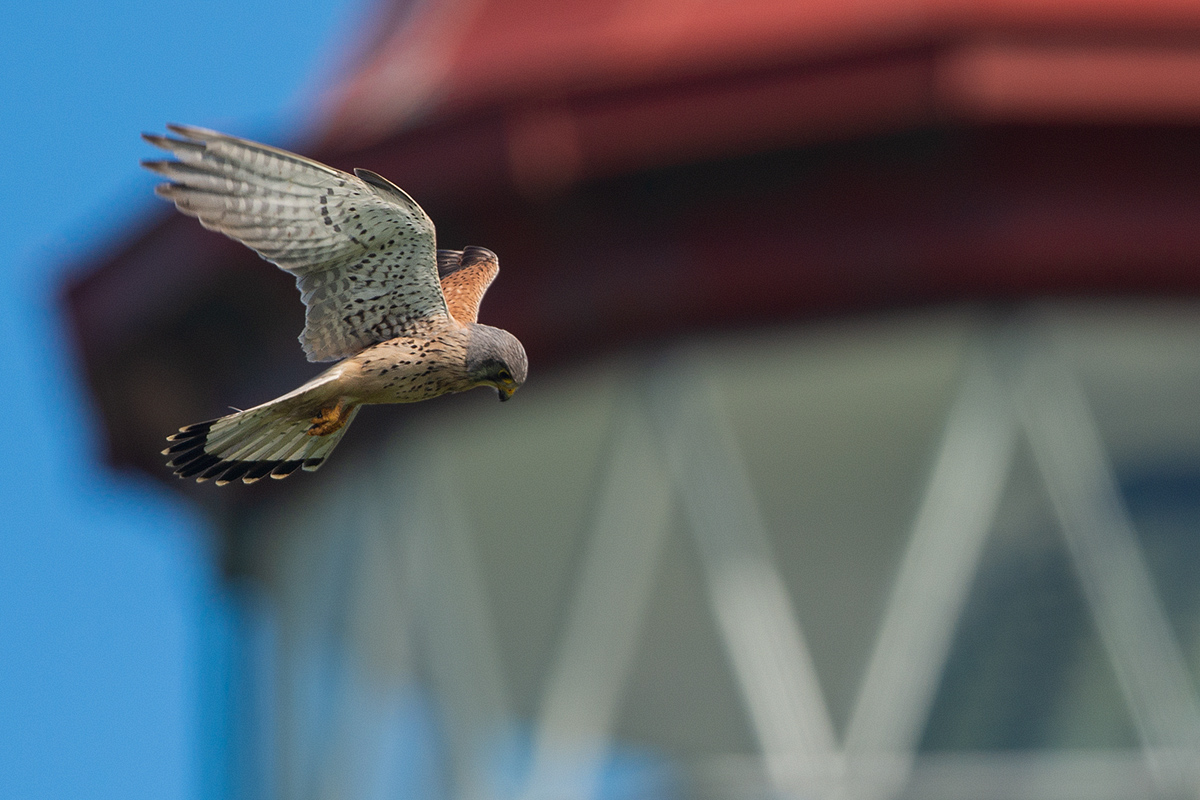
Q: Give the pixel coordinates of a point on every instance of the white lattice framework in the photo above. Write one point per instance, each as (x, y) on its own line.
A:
(673, 452)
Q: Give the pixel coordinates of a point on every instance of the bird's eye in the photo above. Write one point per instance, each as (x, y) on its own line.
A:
(504, 375)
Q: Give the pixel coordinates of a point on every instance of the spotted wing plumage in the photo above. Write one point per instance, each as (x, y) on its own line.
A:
(466, 275)
(362, 250)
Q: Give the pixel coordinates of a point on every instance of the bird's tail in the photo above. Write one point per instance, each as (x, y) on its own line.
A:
(275, 439)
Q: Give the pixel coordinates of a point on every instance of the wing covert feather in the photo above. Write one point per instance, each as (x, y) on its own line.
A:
(362, 250)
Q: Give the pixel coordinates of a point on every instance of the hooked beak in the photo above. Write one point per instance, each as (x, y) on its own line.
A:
(505, 392)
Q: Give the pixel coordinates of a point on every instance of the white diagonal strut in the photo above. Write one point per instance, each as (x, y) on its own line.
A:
(754, 614)
(447, 586)
(604, 621)
(1116, 582)
(931, 585)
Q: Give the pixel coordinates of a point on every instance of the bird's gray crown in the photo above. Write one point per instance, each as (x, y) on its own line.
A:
(490, 345)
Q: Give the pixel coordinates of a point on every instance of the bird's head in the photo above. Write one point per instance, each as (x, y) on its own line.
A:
(496, 358)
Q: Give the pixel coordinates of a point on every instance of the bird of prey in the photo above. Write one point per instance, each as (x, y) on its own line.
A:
(397, 314)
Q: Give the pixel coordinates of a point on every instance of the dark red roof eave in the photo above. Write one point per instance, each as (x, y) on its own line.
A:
(527, 153)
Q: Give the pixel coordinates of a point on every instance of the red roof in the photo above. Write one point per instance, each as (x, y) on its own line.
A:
(1010, 59)
(645, 168)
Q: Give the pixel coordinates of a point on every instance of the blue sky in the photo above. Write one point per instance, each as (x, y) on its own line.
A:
(111, 617)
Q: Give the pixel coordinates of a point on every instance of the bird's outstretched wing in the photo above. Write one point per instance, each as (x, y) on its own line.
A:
(466, 274)
(362, 250)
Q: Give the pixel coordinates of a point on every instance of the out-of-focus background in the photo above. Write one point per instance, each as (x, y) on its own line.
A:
(118, 636)
(860, 455)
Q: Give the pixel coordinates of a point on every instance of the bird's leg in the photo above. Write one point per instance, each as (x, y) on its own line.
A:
(330, 419)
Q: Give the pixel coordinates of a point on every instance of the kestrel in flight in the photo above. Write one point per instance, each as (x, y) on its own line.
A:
(400, 314)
